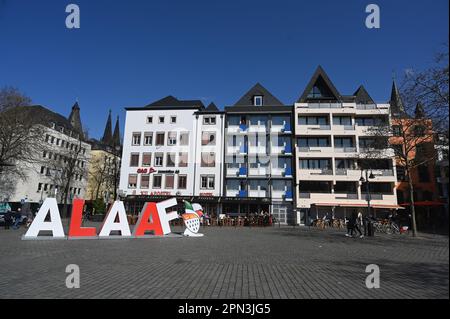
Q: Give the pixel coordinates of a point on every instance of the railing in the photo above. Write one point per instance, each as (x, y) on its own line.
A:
(323, 172)
(345, 127)
(345, 195)
(324, 106)
(308, 149)
(374, 196)
(319, 127)
(345, 149)
(366, 106)
(341, 172)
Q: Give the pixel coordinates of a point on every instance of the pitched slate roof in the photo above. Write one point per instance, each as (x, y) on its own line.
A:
(173, 101)
(258, 89)
(362, 97)
(38, 114)
(321, 77)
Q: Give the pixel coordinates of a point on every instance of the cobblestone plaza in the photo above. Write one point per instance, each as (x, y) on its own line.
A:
(260, 263)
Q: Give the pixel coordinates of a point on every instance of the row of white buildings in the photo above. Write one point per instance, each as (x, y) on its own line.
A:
(295, 161)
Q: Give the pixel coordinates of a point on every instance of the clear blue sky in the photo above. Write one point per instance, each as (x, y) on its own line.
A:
(130, 53)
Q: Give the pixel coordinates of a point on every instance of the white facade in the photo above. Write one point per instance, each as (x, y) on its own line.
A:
(41, 179)
(330, 138)
(177, 164)
(209, 128)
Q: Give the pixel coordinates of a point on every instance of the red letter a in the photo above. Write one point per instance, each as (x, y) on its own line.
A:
(75, 229)
(144, 225)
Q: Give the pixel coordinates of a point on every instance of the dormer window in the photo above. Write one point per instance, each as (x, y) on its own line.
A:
(258, 100)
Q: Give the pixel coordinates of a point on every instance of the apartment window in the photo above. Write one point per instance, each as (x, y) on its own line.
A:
(157, 179)
(314, 142)
(183, 159)
(208, 159)
(173, 119)
(315, 164)
(172, 138)
(343, 142)
(132, 181)
(367, 143)
(149, 119)
(62, 143)
(160, 139)
(419, 130)
(314, 187)
(345, 188)
(42, 169)
(147, 159)
(159, 159)
(208, 138)
(313, 120)
(207, 182)
(170, 179)
(44, 155)
(369, 121)
(52, 140)
(148, 138)
(209, 120)
(258, 100)
(136, 140)
(182, 181)
(58, 141)
(397, 130)
(39, 187)
(184, 138)
(145, 181)
(342, 120)
(161, 120)
(134, 160)
(170, 160)
(378, 188)
(47, 138)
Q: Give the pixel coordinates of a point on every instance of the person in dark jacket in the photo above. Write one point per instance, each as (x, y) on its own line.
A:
(8, 219)
(352, 225)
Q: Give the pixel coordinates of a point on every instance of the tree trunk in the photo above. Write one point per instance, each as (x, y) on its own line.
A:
(412, 205)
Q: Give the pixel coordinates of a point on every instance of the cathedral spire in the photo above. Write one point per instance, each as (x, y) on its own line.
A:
(107, 135)
(116, 136)
(419, 112)
(75, 119)
(397, 106)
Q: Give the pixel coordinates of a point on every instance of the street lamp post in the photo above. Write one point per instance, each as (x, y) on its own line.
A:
(367, 181)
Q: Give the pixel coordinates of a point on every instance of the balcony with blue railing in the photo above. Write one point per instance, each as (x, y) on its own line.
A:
(243, 149)
(243, 171)
(288, 149)
(287, 128)
(243, 128)
(288, 195)
(288, 172)
(242, 194)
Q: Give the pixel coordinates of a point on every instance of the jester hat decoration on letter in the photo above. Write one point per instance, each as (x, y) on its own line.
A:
(191, 218)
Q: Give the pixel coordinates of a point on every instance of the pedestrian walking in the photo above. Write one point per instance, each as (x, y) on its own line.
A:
(8, 219)
(352, 226)
(17, 219)
(361, 223)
